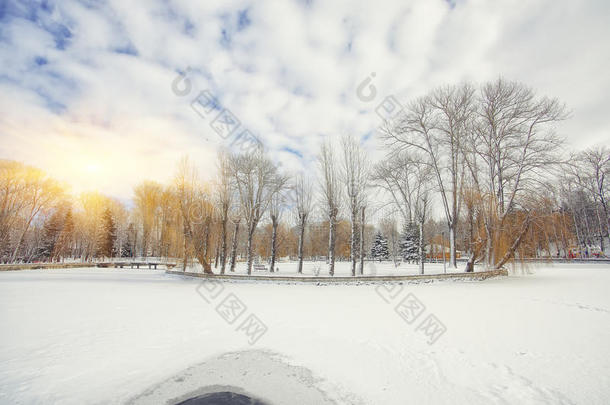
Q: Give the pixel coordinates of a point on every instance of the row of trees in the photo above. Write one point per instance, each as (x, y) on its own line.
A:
(485, 157)
(493, 159)
(39, 221)
(211, 222)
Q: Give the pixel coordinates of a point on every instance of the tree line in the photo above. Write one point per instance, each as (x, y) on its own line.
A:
(491, 155)
(485, 156)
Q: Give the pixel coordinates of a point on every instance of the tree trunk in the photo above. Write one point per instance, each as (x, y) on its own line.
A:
(607, 214)
(452, 249)
(574, 220)
(223, 249)
(509, 254)
(470, 264)
(249, 249)
(488, 246)
(476, 250)
(422, 258)
(207, 267)
(601, 231)
(301, 243)
(206, 251)
(27, 227)
(234, 246)
(362, 242)
(19, 242)
(184, 250)
(273, 245)
(145, 238)
(331, 243)
(353, 252)
(470, 231)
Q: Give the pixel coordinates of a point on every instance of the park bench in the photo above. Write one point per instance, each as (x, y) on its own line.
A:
(259, 267)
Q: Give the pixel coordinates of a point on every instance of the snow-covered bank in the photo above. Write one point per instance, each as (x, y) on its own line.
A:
(275, 278)
(106, 335)
(342, 268)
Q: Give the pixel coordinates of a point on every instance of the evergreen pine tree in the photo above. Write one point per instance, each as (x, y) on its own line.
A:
(409, 243)
(107, 237)
(128, 248)
(380, 250)
(63, 245)
(51, 230)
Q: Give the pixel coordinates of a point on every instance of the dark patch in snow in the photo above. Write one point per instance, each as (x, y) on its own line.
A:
(261, 376)
(222, 398)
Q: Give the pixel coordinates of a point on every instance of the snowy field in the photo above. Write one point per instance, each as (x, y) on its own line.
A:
(141, 336)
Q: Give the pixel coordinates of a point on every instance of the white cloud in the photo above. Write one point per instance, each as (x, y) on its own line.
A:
(87, 82)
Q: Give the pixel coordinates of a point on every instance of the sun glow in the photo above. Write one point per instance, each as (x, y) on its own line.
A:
(92, 168)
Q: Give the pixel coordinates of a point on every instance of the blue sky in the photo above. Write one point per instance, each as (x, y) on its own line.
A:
(87, 85)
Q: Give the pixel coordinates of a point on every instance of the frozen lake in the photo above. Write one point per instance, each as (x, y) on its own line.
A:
(140, 335)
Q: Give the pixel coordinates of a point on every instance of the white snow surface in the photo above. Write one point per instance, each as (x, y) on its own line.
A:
(342, 268)
(117, 335)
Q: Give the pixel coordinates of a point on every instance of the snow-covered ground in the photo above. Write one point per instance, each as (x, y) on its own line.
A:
(342, 268)
(114, 336)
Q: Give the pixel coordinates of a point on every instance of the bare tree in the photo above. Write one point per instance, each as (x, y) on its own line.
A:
(236, 222)
(12, 201)
(409, 180)
(257, 180)
(147, 197)
(276, 208)
(40, 192)
(394, 177)
(435, 126)
(330, 192)
(224, 193)
(512, 151)
(591, 170)
(354, 175)
(303, 193)
(362, 226)
(193, 210)
(423, 198)
(388, 228)
(92, 205)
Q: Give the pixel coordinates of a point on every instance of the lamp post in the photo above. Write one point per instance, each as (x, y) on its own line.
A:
(443, 250)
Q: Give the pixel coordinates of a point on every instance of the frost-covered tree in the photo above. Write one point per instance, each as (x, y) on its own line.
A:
(236, 222)
(511, 152)
(276, 208)
(303, 207)
(589, 172)
(436, 126)
(330, 193)
(354, 175)
(257, 181)
(380, 250)
(409, 243)
(225, 193)
(409, 180)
